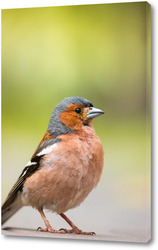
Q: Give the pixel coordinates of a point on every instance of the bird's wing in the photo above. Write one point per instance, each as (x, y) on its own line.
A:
(30, 168)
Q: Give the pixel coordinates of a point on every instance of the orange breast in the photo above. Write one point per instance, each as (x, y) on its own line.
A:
(67, 174)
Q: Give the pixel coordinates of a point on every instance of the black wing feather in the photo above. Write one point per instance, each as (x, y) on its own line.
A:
(27, 172)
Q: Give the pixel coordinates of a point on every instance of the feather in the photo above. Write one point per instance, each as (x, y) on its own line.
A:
(11, 205)
(9, 210)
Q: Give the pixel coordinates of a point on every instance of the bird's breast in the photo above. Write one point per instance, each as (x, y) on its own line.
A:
(67, 174)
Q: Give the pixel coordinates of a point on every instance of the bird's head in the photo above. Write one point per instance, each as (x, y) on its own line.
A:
(72, 114)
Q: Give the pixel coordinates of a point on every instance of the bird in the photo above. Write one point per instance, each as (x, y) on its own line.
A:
(65, 168)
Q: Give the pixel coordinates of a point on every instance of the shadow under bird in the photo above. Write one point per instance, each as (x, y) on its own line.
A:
(65, 167)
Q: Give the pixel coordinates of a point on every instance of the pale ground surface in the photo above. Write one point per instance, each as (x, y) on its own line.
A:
(116, 236)
(124, 225)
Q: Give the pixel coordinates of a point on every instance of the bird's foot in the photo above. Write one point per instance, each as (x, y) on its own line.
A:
(51, 230)
(75, 230)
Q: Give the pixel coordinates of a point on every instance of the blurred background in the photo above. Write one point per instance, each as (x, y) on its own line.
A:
(102, 53)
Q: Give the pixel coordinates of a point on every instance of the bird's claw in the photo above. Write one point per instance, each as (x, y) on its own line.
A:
(42, 229)
(51, 230)
(76, 231)
(63, 229)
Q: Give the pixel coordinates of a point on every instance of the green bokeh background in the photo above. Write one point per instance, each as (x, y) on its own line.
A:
(102, 53)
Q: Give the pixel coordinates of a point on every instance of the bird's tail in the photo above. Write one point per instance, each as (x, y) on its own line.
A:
(9, 208)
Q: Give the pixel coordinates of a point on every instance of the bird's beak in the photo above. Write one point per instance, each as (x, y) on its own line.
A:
(94, 112)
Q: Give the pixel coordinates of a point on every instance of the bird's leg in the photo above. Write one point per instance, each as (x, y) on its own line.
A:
(48, 226)
(74, 229)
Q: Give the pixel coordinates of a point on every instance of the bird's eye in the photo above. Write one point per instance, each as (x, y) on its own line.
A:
(78, 110)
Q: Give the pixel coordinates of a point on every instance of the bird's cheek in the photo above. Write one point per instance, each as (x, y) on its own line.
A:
(69, 120)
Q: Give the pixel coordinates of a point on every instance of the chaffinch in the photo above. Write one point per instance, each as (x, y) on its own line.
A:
(65, 167)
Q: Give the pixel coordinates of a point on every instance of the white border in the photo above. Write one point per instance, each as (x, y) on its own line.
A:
(42, 244)
(8, 4)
